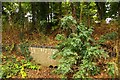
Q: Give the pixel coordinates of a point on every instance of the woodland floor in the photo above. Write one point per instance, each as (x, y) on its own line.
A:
(12, 36)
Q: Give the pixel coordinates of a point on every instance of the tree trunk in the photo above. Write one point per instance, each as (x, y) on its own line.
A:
(78, 11)
(119, 12)
(51, 12)
(33, 17)
(20, 16)
(60, 9)
(81, 10)
(88, 16)
(101, 9)
(73, 10)
(73, 7)
(33, 13)
(48, 14)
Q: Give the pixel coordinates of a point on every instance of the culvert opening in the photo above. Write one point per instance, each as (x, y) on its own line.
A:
(51, 66)
(55, 67)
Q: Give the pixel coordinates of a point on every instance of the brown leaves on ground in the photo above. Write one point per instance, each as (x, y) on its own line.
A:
(103, 29)
(10, 36)
(38, 39)
(44, 72)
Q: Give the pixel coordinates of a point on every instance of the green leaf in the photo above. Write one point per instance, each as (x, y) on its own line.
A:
(59, 37)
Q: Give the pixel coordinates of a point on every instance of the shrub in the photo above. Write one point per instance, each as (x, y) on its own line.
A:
(79, 50)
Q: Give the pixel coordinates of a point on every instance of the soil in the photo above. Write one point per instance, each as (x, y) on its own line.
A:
(44, 72)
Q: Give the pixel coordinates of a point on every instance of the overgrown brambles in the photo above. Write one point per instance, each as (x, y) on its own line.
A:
(79, 50)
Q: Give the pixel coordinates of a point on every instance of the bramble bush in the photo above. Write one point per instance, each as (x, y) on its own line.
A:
(79, 50)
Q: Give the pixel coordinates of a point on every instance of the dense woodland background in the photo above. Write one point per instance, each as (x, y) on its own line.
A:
(46, 15)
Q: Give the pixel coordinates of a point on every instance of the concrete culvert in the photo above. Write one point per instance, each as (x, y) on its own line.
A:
(42, 56)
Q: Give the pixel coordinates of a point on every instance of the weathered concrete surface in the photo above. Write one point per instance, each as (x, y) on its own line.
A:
(42, 56)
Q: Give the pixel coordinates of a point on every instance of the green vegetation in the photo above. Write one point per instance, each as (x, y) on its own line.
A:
(13, 66)
(80, 50)
(108, 36)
